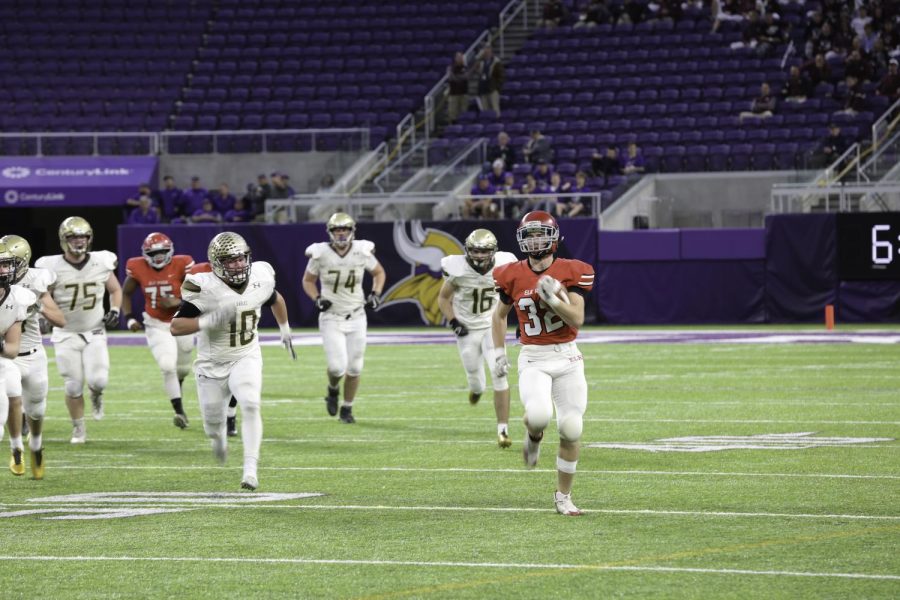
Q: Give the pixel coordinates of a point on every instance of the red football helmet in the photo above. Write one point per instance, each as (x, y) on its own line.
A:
(157, 250)
(538, 234)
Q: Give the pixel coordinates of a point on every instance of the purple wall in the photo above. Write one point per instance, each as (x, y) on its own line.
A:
(783, 273)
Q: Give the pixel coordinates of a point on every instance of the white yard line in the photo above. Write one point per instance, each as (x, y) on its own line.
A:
(497, 509)
(75, 467)
(450, 564)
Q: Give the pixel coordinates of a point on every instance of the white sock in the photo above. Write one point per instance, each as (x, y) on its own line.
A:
(502, 428)
(15, 442)
(78, 422)
(251, 436)
(35, 442)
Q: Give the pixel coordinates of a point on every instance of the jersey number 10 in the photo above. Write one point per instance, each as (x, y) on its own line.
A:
(244, 335)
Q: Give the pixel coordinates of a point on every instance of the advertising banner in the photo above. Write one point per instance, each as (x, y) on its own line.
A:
(73, 181)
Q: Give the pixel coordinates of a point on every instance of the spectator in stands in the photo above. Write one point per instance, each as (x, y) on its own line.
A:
(239, 213)
(826, 42)
(796, 88)
(868, 39)
(257, 194)
(538, 148)
(553, 14)
(530, 195)
(817, 71)
(326, 184)
(458, 84)
(503, 150)
(595, 13)
(632, 162)
(482, 204)
(144, 213)
(890, 84)
(571, 206)
(170, 199)
(222, 199)
(879, 59)
(858, 66)
(207, 213)
(280, 188)
(580, 206)
(830, 148)
(890, 37)
(853, 96)
(607, 164)
(542, 172)
(728, 10)
(773, 33)
(192, 198)
(860, 21)
(143, 190)
(497, 176)
(751, 31)
(491, 76)
(763, 106)
(632, 11)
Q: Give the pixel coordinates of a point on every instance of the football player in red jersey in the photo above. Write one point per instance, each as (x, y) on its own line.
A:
(548, 294)
(159, 272)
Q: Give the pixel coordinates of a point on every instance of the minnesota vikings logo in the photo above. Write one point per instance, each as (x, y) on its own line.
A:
(423, 252)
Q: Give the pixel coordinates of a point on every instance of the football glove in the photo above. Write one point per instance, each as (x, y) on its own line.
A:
(547, 289)
(111, 319)
(458, 328)
(501, 362)
(322, 304)
(286, 340)
(217, 318)
(373, 300)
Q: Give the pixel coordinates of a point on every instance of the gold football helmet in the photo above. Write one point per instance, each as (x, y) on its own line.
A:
(341, 221)
(75, 227)
(224, 254)
(481, 246)
(7, 267)
(21, 249)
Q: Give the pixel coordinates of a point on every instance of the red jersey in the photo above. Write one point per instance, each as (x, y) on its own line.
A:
(203, 267)
(539, 325)
(159, 283)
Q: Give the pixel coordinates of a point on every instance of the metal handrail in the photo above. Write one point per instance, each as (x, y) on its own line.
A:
(352, 203)
(397, 161)
(782, 194)
(539, 197)
(894, 109)
(462, 155)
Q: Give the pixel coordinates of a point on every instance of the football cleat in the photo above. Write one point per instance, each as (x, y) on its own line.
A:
(37, 463)
(331, 401)
(564, 505)
(231, 426)
(79, 435)
(474, 397)
(97, 406)
(503, 439)
(180, 420)
(531, 450)
(347, 415)
(15, 462)
(249, 482)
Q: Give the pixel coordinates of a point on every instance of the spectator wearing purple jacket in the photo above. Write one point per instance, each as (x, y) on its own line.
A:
(144, 213)
(632, 161)
(143, 190)
(192, 198)
(482, 205)
(239, 214)
(498, 173)
(222, 199)
(207, 213)
(575, 206)
(542, 172)
(170, 199)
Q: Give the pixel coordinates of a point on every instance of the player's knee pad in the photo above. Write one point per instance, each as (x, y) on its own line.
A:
(166, 363)
(354, 369)
(500, 384)
(570, 427)
(34, 408)
(97, 381)
(74, 387)
(476, 380)
(538, 415)
(335, 371)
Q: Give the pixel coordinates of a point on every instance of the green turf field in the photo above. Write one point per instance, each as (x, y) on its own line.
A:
(416, 500)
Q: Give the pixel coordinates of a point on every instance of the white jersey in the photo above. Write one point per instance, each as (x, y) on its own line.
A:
(17, 305)
(79, 289)
(218, 349)
(341, 277)
(474, 293)
(36, 281)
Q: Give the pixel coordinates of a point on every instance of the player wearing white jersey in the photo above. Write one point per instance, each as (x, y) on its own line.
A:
(466, 299)
(224, 306)
(82, 357)
(337, 267)
(28, 379)
(16, 304)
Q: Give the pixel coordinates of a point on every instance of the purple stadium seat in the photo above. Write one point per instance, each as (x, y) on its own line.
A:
(764, 156)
